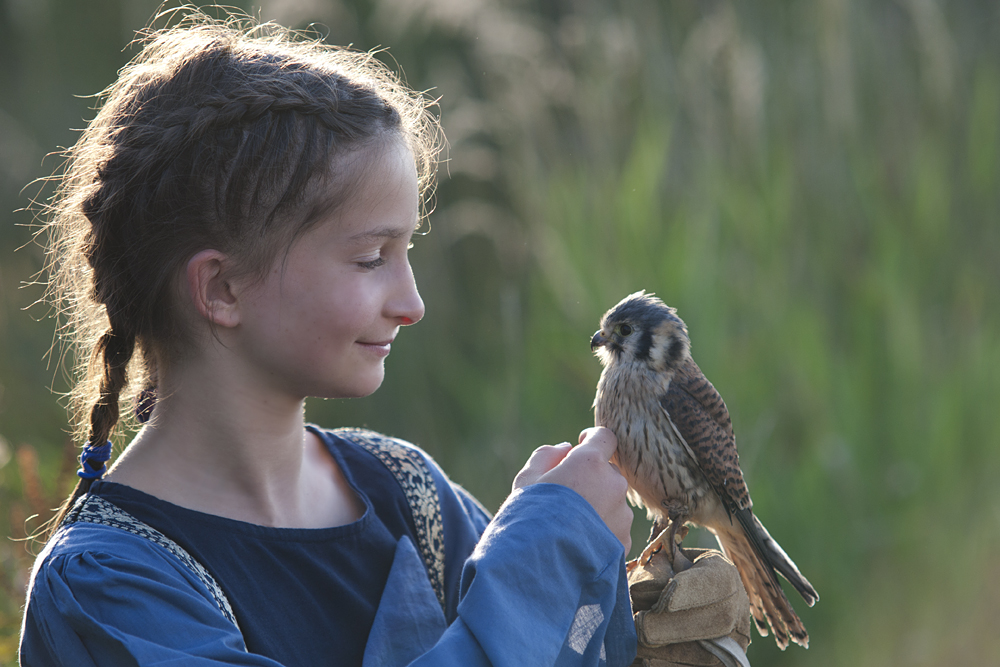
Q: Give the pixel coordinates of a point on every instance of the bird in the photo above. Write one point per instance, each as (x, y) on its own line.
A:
(677, 450)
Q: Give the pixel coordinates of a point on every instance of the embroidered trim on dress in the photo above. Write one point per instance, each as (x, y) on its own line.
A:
(410, 469)
(94, 509)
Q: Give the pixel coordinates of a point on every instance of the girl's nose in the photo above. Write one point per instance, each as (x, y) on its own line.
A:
(415, 309)
(408, 307)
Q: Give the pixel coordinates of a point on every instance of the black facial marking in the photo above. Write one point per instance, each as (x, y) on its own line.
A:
(644, 344)
(675, 351)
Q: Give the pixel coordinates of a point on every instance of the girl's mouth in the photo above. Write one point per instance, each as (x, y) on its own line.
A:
(381, 348)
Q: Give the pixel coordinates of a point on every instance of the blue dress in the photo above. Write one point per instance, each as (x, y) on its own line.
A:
(543, 583)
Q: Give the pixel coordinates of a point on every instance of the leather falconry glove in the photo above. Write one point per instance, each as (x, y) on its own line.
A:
(698, 617)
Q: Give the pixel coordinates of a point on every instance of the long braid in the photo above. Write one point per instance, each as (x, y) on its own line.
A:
(113, 351)
(116, 352)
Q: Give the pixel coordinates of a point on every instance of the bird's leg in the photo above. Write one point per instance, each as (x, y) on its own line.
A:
(654, 546)
(676, 534)
(677, 514)
(654, 531)
(653, 534)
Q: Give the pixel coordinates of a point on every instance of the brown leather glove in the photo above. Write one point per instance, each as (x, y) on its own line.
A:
(697, 617)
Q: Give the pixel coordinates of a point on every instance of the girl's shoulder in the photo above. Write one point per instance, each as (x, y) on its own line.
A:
(416, 471)
(394, 453)
(101, 545)
(93, 541)
(96, 528)
(106, 583)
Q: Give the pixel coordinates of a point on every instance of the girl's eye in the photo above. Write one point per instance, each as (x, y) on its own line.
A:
(625, 330)
(372, 264)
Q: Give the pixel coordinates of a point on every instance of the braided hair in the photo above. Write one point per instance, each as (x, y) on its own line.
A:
(219, 134)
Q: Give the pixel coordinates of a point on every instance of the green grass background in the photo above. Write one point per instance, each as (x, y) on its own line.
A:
(815, 185)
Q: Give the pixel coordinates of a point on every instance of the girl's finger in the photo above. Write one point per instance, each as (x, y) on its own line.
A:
(542, 460)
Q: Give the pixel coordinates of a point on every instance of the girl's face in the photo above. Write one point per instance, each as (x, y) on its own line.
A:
(321, 322)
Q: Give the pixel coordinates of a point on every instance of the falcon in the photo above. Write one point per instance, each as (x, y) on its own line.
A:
(677, 450)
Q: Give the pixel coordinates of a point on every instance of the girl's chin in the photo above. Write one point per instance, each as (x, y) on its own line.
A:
(363, 387)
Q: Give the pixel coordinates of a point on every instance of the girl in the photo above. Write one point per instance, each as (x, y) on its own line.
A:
(229, 238)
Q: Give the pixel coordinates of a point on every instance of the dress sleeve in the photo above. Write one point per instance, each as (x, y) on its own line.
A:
(100, 596)
(544, 586)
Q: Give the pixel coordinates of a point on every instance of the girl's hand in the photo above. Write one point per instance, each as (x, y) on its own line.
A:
(587, 469)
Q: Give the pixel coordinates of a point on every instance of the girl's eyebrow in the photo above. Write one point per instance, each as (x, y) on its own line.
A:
(380, 233)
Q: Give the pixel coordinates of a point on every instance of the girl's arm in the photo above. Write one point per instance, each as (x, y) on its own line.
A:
(545, 585)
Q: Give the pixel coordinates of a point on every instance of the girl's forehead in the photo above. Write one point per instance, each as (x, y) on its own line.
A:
(381, 199)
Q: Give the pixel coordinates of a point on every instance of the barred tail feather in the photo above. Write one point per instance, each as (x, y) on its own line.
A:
(756, 555)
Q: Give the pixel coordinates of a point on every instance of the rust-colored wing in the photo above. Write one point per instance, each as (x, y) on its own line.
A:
(701, 417)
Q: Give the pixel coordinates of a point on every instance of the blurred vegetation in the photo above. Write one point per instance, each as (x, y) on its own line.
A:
(815, 185)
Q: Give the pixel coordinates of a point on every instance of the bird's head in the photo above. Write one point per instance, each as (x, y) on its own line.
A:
(642, 329)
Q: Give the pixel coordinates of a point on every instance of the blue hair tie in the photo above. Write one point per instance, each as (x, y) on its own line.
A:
(101, 454)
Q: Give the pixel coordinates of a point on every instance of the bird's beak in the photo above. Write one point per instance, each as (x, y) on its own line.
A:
(598, 340)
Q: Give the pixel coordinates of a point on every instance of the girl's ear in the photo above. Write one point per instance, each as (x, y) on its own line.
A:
(211, 292)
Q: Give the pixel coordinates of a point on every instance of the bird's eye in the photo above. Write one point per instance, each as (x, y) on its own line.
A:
(625, 330)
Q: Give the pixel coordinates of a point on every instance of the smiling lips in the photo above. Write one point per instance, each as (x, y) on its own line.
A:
(380, 348)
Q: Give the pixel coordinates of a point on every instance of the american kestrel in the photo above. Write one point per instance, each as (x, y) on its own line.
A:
(677, 450)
